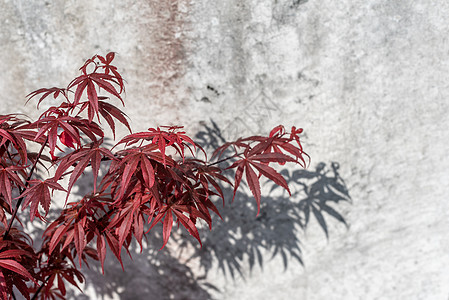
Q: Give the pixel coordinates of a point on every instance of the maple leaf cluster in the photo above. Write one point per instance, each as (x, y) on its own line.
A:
(157, 176)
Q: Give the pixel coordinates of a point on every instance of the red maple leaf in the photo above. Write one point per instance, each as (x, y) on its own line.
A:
(80, 160)
(90, 82)
(8, 179)
(47, 92)
(39, 193)
(71, 128)
(163, 139)
(17, 260)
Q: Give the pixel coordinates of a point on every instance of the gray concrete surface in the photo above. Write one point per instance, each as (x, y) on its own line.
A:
(367, 80)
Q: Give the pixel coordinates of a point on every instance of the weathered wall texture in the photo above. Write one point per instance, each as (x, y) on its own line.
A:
(368, 81)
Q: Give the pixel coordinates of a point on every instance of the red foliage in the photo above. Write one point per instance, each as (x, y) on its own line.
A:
(143, 185)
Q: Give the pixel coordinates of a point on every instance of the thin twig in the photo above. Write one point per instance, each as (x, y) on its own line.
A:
(225, 159)
(40, 288)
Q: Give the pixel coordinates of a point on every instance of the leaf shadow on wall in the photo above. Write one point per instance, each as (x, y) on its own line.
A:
(315, 194)
(244, 238)
(239, 242)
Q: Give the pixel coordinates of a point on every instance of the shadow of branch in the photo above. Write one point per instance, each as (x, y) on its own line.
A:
(242, 239)
(282, 220)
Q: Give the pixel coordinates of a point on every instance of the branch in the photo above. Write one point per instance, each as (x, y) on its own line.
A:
(225, 159)
(40, 288)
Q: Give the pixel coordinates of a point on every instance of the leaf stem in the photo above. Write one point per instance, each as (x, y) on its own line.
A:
(225, 159)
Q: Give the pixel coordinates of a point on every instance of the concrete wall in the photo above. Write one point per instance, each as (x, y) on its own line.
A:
(367, 80)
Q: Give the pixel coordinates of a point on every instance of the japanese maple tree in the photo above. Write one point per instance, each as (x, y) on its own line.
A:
(157, 176)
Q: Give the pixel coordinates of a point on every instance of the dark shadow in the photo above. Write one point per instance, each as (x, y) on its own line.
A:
(238, 243)
(152, 274)
(283, 11)
(319, 192)
(282, 220)
(296, 3)
(242, 238)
